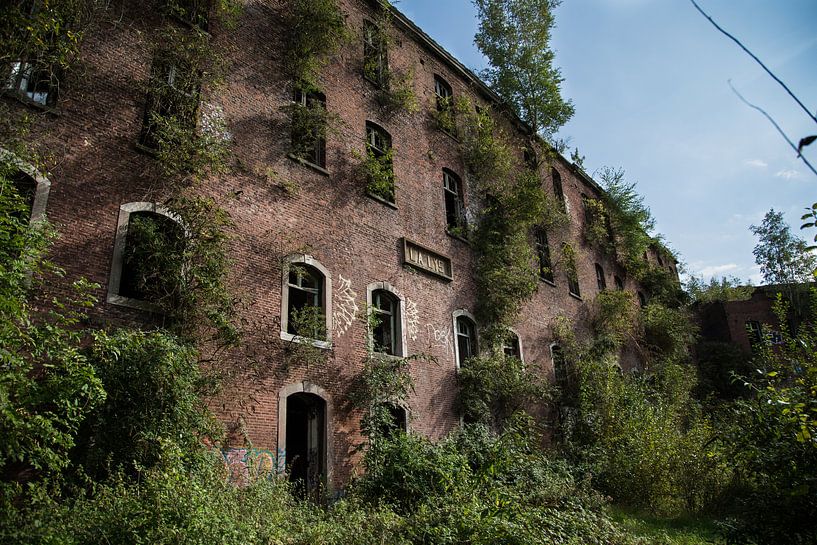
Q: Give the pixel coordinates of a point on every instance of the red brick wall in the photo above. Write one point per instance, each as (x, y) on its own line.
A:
(95, 167)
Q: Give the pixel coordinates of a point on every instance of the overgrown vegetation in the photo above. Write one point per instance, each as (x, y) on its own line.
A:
(378, 170)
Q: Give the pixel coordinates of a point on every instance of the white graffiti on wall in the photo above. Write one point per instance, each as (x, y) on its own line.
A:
(440, 338)
(345, 307)
(412, 319)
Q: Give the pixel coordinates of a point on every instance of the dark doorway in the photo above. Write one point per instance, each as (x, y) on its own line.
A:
(306, 445)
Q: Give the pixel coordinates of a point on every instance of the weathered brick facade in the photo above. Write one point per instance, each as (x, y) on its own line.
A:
(95, 167)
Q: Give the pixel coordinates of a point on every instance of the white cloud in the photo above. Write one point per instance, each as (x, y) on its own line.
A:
(788, 173)
(716, 270)
(757, 163)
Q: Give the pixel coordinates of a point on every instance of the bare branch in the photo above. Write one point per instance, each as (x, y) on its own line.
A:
(812, 116)
(776, 126)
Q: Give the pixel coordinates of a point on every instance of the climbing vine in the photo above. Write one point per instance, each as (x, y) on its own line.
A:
(317, 30)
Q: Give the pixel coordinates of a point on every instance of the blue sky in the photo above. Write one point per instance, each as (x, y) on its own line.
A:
(648, 79)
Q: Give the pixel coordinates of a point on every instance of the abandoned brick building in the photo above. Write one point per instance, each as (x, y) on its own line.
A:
(402, 251)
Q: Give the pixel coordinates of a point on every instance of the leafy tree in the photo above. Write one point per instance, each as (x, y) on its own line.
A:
(515, 36)
(786, 261)
(728, 288)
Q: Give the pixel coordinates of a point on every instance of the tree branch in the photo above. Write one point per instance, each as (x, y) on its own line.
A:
(812, 116)
(776, 126)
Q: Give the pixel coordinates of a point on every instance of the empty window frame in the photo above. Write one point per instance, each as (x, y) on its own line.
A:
(600, 280)
(558, 191)
(573, 284)
(511, 345)
(29, 184)
(306, 312)
(193, 12)
(454, 204)
(142, 275)
(386, 323)
(308, 127)
(618, 282)
(466, 333)
(642, 299)
(445, 95)
(755, 332)
(32, 81)
(378, 148)
(375, 54)
(173, 98)
(543, 253)
(305, 301)
(559, 365)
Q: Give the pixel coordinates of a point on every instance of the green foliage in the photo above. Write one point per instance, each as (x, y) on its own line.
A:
(379, 173)
(445, 115)
(668, 333)
(720, 364)
(184, 273)
(662, 286)
(397, 92)
(772, 441)
(514, 35)
(630, 220)
(723, 290)
(160, 422)
(317, 30)
(184, 62)
(811, 214)
(615, 316)
(309, 124)
(200, 13)
(47, 385)
(597, 230)
(495, 388)
(783, 257)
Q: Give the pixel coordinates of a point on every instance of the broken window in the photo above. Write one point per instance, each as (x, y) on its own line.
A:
(306, 315)
(600, 281)
(386, 327)
(397, 421)
(454, 204)
(511, 346)
(557, 188)
(543, 253)
(466, 339)
(755, 332)
(32, 81)
(172, 102)
(381, 171)
(375, 56)
(152, 259)
(309, 127)
(618, 282)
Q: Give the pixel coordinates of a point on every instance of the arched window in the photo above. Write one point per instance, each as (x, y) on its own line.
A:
(147, 256)
(466, 337)
(600, 280)
(378, 150)
(32, 186)
(305, 300)
(385, 306)
(445, 95)
(454, 203)
(557, 187)
(511, 345)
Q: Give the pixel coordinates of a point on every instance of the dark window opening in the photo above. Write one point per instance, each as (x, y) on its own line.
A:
(386, 330)
(642, 299)
(600, 280)
(444, 94)
(529, 157)
(397, 422)
(619, 283)
(32, 81)
(152, 260)
(755, 332)
(543, 252)
(26, 188)
(557, 187)
(173, 99)
(305, 443)
(375, 54)
(466, 339)
(454, 204)
(308, 132)
(305, 304)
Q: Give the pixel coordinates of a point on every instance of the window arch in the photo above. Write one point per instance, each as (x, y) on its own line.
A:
(386, 307)
(30, 184)
(465, 333)
(512, 345)
(131, 284)
(454, 203)
(305, 301)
